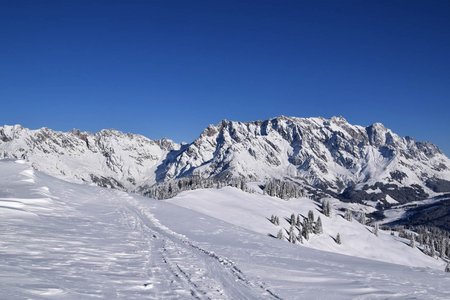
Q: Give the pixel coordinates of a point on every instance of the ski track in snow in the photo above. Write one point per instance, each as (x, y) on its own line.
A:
(66, 241)
(206, 274)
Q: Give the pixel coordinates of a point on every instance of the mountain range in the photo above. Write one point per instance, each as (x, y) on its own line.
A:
(325, 157)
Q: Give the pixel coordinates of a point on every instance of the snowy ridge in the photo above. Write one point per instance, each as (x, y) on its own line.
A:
(107, 158)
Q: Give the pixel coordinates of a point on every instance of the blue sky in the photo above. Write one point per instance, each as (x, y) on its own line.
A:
(170, 68)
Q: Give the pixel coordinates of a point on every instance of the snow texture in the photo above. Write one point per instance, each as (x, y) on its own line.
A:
(62, 240)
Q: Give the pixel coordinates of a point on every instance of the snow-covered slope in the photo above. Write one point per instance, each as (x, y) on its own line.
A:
(107, 158)
(69, 241)
(252, 212)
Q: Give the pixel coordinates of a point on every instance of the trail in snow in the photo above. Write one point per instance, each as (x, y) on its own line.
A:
(206, 274)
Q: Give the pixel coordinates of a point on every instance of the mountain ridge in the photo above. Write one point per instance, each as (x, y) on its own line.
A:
(349, 162)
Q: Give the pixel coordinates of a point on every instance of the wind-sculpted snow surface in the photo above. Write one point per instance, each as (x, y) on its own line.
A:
(67, 241)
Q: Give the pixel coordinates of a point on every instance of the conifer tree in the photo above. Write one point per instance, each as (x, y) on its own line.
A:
(310, 216)
(412, 242)
(300, 238)
(292, 221)
(375, 229)
(305, 233)
(362, 218)
(348, 215)
(318, 227)
(338, 239)
(326, 208)
(280, 234)
(447, 268)
(292, 237)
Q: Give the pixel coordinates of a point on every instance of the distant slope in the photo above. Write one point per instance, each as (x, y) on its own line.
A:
(432, 213)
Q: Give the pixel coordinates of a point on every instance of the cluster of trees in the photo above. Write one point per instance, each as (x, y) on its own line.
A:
(273, 187)
(283, 189)
(431, 240)
(170, 189)
(326, 208)
(300, 227)
(275, 220)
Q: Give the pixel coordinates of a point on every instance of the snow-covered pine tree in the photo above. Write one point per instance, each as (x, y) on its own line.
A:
(280, 234)
(292, 237)
(309, 226)
(348, 215)
(292, 221)
(338, 239)
(275, 220)
(318, 226)
(375, 229)
(310, 216)
(326, 207)
(443, 248)
(299, 237)
(431, 250)
(412, 242)
(305, 232)
(362, 218)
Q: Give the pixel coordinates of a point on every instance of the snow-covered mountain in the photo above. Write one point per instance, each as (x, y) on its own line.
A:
(348, 161)
(330, 156)
(107, 158)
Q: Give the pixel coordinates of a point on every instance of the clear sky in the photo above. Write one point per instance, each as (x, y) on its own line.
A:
(170, 68)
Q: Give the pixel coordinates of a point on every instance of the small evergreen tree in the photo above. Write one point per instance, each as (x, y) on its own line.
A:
(443, 248)
(338, 239)
(280, 234)
(318, 227)
(305, 233)
(326, 208)
(310, 216)
(299, 221)
(292, 221)
(362, 218)
(300, 238)
(292, 237)
(348, 215)
(375, 229)
(412, 242)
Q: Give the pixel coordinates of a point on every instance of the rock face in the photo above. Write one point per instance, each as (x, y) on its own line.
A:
(353, 163)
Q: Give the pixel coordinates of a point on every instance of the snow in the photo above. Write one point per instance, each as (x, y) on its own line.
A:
(84, 242)
(253, 211)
